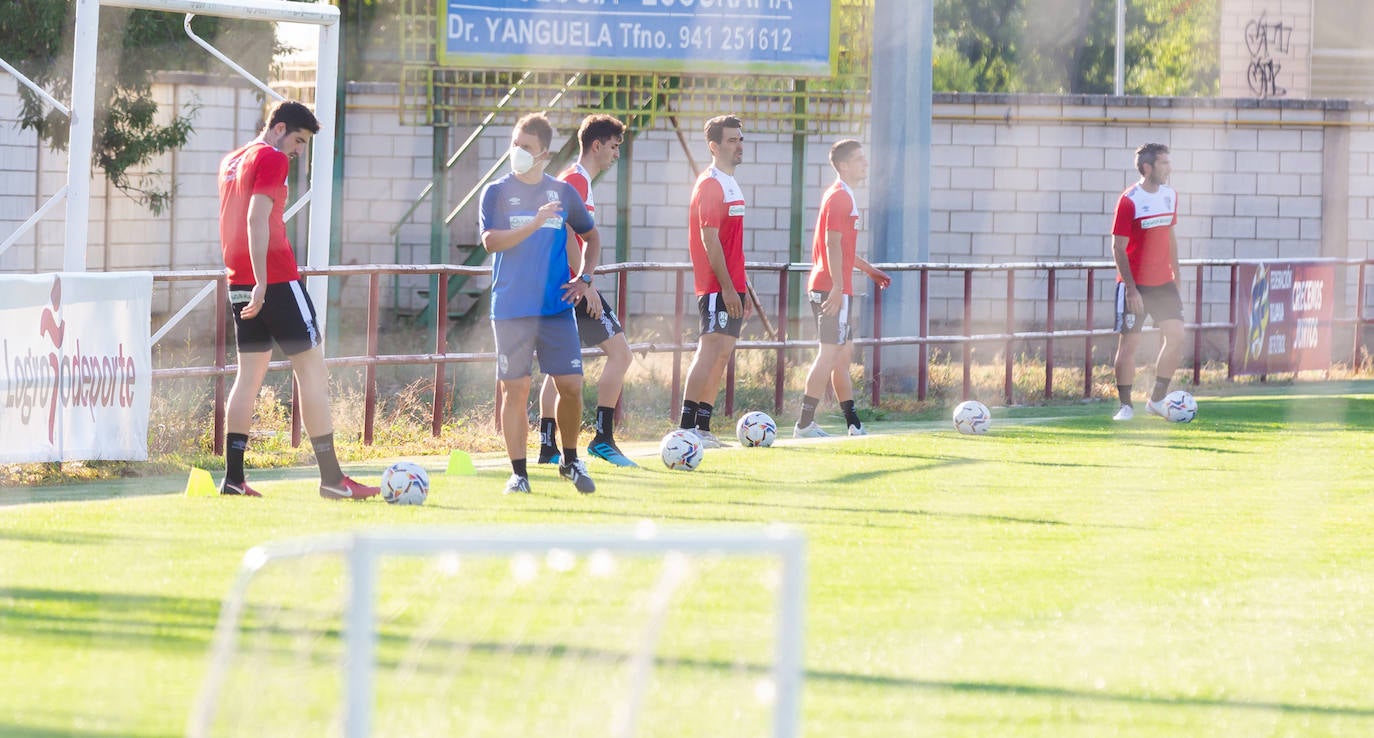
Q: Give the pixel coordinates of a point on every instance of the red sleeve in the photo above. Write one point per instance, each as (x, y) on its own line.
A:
(1125, 217)
(578, 183)
(269, 172)
(711, 199)
(835, 211)
(1174, 222)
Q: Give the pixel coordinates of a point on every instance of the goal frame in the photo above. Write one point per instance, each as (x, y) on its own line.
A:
(362, 551)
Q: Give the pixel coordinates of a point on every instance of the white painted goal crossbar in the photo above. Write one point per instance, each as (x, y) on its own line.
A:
(362, 551)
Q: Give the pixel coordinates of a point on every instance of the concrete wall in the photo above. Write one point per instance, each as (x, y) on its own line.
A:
(1014, 178)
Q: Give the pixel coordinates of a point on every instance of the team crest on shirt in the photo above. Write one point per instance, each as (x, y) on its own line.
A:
(552, 195)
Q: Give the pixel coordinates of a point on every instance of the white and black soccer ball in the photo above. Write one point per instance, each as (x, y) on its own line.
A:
(405, 483)
(756, 429)
(1179, 407)
(681, 450)
(972, 417)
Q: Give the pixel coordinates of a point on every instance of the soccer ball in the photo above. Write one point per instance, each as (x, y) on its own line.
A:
(756, 429)
(681, 450)
(972, 417)
(405, 483)
(1179, 407)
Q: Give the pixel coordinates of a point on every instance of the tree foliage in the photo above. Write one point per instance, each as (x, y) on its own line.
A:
(1068, 46)
(36, 37)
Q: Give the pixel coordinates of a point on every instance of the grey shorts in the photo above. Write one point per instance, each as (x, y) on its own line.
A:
(552, 337)
(832, 329)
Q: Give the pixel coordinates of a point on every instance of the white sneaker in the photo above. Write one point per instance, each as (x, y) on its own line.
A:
(1156, 408)
(810, 431)
(1125, 413)
(708, 439)
(857, 430)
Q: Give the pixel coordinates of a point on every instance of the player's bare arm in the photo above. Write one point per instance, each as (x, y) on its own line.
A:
(576, 288)
(1123, 267)
(1173, 254)
(590, 258)
(495, 241)
(878, 276)
(259, 215)
(834, 256)
(715, 256)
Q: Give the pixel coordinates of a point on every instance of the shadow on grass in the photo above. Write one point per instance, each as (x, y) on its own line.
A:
(79, 617)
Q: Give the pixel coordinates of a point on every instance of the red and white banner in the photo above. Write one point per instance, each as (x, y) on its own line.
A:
(1285, 314)
(76, 371)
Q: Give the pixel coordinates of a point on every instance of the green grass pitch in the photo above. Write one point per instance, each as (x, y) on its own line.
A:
(1062, 576)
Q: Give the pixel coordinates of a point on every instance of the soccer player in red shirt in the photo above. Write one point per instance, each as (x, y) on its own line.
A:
(715, 228)
(831, 288)
(599, 139)
(269, 301)
(1146, 253)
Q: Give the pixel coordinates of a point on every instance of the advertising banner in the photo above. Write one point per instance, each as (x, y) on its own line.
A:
(1284, 313)
(75, 366)
(778, 37)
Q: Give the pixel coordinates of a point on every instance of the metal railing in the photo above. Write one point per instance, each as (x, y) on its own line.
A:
(1045, 337)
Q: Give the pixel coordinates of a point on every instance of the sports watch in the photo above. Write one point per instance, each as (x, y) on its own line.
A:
(586, 278)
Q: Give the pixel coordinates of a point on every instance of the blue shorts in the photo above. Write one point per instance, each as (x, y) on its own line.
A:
(552, 337)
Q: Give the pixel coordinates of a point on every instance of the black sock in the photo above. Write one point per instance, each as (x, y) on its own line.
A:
(605, 424)
(569, 456)
(1123, 392)
(1161, 389)
(851, 417)
(808, 410)
(689, 415)
(704, 416)
(330, 473)
(548, 428)
(518, 466)
(234, 446)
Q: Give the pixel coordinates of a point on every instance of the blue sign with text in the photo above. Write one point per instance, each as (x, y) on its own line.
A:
(782, 37)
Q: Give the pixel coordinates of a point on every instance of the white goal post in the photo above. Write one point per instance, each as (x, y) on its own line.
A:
(83, 113)
(533, 625)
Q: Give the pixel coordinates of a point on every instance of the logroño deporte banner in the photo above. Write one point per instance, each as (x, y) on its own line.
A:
(1284, 313)
(75, 366)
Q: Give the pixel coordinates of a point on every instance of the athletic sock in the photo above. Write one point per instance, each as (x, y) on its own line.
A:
(569, 456)
(808, 410)
(1161, 389)
(605, 424)
(1123, 392)
(234, 446)
(548, 427)
(518, 466)
(851, 417)
(330, 473)
(704, 416)
(689, 415)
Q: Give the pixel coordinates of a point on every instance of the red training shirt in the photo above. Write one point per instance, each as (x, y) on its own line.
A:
(254, 169)
(717, 202)
(1146, 219)
(839, 213)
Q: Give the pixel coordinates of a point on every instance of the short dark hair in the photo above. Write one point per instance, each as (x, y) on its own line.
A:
(715, 127)
(841, 150)
(599, 127)
(1147, 153)
(537, 125)
(295, 115)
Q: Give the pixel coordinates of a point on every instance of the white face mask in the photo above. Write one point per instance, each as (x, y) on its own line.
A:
(521, 161)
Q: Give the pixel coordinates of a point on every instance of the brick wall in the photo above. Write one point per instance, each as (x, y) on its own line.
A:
(1266, 48)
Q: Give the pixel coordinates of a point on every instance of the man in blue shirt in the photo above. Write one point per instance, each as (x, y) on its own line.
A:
(524, 223)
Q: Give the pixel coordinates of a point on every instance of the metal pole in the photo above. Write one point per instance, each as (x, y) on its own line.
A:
(82, 133)
(1120, 83)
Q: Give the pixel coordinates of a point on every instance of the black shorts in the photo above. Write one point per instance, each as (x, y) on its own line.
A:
(596, 331)
(832, 329)
(1161, 302)
(553, 337)
(714, 318)
(287, 317)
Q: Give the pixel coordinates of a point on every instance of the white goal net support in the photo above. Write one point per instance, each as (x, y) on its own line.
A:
(512, 632)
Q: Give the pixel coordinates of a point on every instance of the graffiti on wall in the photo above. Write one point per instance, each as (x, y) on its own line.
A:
(1264, 38)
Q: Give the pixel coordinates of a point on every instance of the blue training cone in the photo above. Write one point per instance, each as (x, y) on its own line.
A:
(459, 463)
